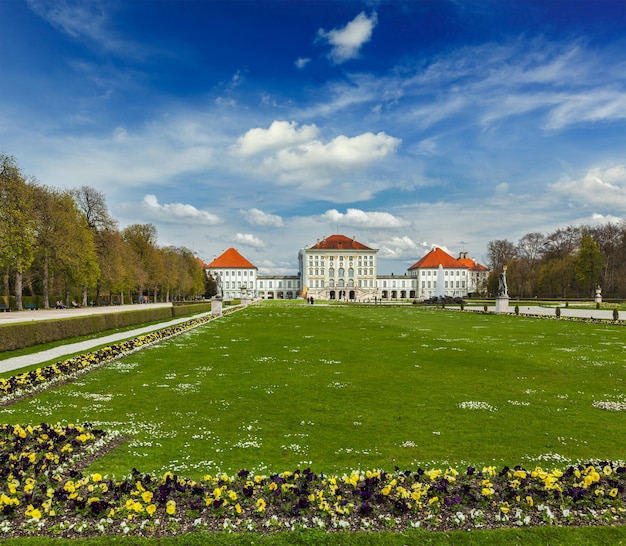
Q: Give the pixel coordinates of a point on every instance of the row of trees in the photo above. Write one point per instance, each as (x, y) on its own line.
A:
(64, 244)
(568, 263)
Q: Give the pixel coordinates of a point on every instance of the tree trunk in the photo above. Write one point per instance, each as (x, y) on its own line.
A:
(18, 290)
(45, 280)
(84, 300)
(6, 282)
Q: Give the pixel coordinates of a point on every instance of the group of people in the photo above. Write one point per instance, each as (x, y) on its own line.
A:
(61, 305)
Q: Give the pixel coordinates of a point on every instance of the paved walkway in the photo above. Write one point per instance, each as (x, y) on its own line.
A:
(592, 312)
(56, 353)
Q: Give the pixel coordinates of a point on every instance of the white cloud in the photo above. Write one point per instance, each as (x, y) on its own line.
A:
(280, 134)
(256, 217)
(87, 22)
(301, 63)
(598, 188)
(318, 159)
(346, 42)
(363, 219)
(400, 247)
(247, 239)
(593, 106)
(177, 212)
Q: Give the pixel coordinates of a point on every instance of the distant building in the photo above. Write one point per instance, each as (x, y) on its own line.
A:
(238, 277)
(342, 268)
(440, 267)
(478, 274)
(235, 275)
(396, 287)
(278, 287)
(338, 268)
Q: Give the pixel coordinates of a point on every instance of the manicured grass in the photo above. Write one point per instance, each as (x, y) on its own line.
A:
(273, 388)
(539, 536)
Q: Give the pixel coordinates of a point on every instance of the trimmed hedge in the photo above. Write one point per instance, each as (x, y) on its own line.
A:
(26, 334)
(181, 310)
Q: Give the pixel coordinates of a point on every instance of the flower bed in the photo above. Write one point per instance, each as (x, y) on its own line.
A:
(39, 494)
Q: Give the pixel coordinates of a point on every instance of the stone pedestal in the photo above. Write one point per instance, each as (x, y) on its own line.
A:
(502, 304)
(216, 307)
(245, 301)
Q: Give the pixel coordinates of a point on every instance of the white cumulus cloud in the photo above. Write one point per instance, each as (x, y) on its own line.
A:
(363, 219)
(323, 159)
(178, 212)
(248, 239)
(599, 187)
(400, 248)
(256, 217)
(280, 134)
(346, 41)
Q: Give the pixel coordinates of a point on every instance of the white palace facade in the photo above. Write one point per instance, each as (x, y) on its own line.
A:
(341, 268)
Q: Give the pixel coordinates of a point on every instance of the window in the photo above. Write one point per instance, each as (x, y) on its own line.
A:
(341, 272)
(331, 272)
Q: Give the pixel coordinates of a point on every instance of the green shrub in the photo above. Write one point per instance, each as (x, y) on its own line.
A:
(18, 336)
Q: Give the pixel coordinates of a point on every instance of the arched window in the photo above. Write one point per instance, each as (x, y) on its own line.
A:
(341, 272)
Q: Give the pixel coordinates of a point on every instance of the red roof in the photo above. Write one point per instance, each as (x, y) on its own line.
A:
(231, 259)
(435, 258)
(472, 264)
(340, 242)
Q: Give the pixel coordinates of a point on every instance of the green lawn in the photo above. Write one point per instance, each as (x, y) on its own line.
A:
(273, 388)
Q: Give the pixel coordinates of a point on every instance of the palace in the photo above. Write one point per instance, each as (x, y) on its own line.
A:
(341, 268)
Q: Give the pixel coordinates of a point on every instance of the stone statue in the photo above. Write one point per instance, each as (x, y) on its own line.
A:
(218, 286)
(502, 287)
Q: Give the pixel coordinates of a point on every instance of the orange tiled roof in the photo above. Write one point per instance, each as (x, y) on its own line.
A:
(231, 259)
(340, 242)
(472, 264)
(435, 258)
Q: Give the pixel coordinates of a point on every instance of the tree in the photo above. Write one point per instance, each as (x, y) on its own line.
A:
(530, 249)
(610, 239)
(17, 223)
(589, 264)
(556, 276)
(142, 240)
(55, 214)
(562, 243)
(499, 252)
(92, 204)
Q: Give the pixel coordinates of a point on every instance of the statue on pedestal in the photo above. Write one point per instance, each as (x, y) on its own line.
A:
(503, 289)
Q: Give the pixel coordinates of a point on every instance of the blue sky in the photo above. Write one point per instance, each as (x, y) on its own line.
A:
(267, 125)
